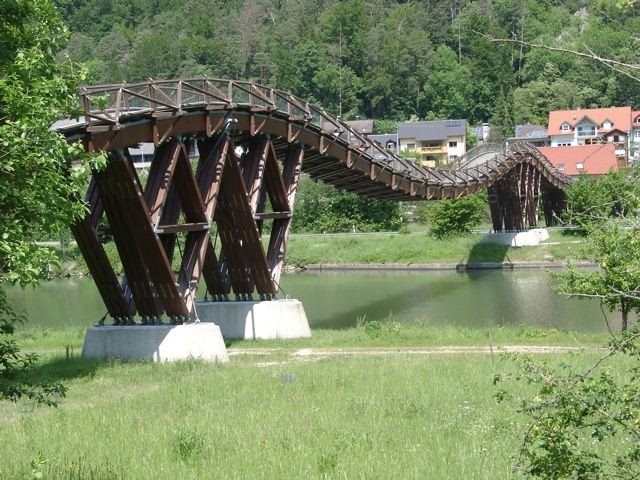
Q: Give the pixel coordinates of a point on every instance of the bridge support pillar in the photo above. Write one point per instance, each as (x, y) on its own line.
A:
(161, 343)
(528, 238)
(253, 320)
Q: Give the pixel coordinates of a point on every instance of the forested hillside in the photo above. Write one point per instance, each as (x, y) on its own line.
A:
(374, 58)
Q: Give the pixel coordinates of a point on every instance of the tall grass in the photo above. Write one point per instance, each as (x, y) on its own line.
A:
(376, 417)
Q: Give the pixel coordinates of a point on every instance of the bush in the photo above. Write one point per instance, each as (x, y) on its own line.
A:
(456, 217)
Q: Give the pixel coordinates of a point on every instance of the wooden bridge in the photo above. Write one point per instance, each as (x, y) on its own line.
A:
(253, 144)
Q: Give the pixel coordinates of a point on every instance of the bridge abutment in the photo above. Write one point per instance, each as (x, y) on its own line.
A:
(529, 238)
(257, 320)
(160, 343)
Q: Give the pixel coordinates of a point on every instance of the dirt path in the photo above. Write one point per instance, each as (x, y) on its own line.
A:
(310, 354)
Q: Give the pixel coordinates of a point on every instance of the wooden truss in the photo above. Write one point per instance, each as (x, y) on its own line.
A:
(515, 198)
(224, 200)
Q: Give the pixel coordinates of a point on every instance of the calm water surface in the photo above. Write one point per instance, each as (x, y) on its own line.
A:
(337, 300)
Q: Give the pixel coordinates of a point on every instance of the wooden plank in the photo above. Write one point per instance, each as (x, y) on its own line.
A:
(240, 237)
(101, 270)
(272, 215)
(253, 169)
(187, 188)
(155, 260)
(138, 281)
(281, 227)
(170, 216)
(160, 176)
(183, 227)
(206, 190)
(215, 274)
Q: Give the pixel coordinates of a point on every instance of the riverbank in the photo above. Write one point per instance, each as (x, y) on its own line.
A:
(372, 267)
(419, 248)
(415, 250)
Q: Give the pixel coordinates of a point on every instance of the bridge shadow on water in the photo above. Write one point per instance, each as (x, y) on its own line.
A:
(483, 252)
(387, 307)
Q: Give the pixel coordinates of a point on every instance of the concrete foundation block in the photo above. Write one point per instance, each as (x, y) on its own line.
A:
(162, 343)
(530, 238)
(257, 320)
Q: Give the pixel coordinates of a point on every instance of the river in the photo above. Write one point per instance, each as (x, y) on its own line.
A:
(337, 300)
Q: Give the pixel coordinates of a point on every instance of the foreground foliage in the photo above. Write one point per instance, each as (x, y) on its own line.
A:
(37, 185)
(584, 423)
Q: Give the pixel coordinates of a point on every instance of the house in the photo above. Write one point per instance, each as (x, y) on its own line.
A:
(595, 159)
(363, 127)
(482, 132)
(435, 142)
(143, 153)
(592, 126)
(387, 141)
(537, 135)
(634, 155)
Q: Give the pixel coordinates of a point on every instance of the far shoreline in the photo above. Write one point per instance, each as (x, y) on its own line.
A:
(318, 267)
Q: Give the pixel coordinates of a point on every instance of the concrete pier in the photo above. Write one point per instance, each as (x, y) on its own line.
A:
(161, 343)
(530, 238)
(253, 320)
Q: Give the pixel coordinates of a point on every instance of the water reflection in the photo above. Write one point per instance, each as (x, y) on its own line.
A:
(337, 300)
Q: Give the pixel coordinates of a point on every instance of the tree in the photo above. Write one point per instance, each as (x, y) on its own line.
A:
(584, 424)
(617, 252)
(322, 208)
(37, 186)
(502, 121)
(533, 102)
(447, 92)
(608, 210)
(398, 63)
(592, 201)
(457, 217)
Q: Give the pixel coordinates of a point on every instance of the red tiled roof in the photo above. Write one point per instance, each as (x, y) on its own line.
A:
(619, 116)
(597, 159)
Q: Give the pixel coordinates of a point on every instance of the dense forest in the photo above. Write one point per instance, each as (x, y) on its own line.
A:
(382, 59)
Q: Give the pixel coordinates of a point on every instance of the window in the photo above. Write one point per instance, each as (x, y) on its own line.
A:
(453, 144)
(411, 147)
(579, 166)
(616, 138)
(561, 167)
(584, 131)
(565, 127)
(636, 135)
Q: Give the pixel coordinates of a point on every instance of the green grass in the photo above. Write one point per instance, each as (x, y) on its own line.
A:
(383, 417)
(421, 248)
(390, 334)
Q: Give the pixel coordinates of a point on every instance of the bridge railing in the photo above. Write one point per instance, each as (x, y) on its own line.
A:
(114, 103)
(473, 153)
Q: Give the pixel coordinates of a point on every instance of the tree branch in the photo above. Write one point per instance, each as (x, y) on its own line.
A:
(615, 65)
